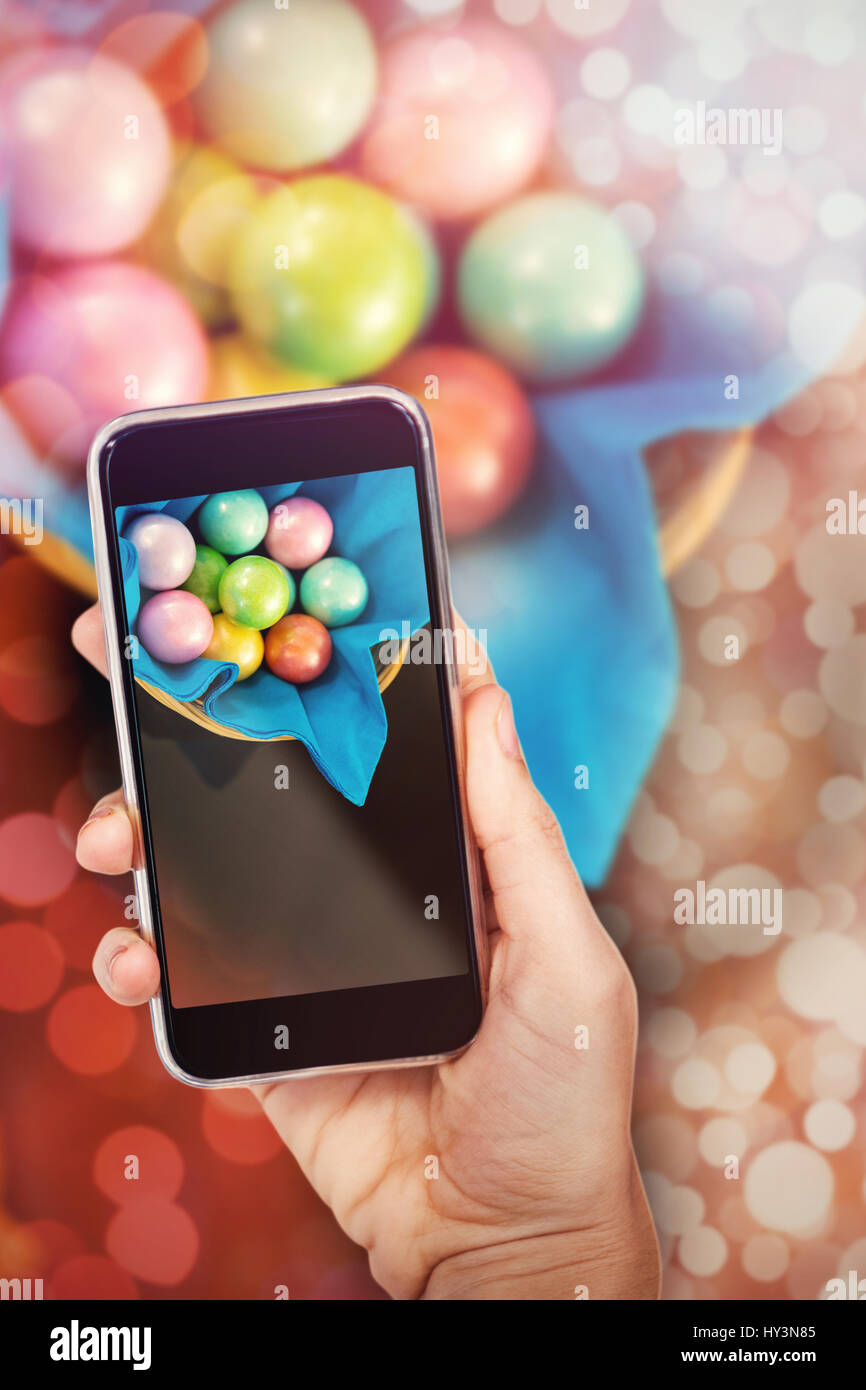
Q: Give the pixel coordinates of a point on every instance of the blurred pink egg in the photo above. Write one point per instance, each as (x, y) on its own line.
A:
(299, 532)
(91, 342)
(89, 149)
(462, 119)
(175, 626)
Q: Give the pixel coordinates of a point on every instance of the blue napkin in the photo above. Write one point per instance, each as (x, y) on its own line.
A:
(580, 626)
(340, 718)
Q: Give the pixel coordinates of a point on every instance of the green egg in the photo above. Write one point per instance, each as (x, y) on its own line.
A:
(207, 571)
(256, 592)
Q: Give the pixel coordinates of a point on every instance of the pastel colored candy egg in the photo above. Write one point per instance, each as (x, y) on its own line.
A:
(165, 548)
(233, 642)
(234, 522)
(551, 285)
(168, 50)
(206, 573)
(241, 367)
(287, 85)
(299, 532)
(90, 154)
(255, 592)
(483, 430)
(492, 105)
(90, 342)
(174, 626)
(359, 286)
(298, 648)
(188, 241)
(334, 591)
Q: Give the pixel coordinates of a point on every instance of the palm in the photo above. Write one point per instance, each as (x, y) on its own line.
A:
(502, 1122)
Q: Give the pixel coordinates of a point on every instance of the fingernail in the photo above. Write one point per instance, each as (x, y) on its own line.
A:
(98, 813)
(505, 730)
(112, 959)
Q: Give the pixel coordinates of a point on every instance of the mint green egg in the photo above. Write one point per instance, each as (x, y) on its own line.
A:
(234, 522)
(551, 285)
(256, 592)
(334, 591)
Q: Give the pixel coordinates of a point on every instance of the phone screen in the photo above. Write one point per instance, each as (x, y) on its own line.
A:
(303, 836)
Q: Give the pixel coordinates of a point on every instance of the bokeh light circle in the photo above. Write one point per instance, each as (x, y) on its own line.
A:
(89, 1033)
(156, 1171)
(703, 1251)
(789, 1187)
(35, 864)
(31, 966)
(154, 1240)
(766, 1258)
(92, 1277)
(829, 1125)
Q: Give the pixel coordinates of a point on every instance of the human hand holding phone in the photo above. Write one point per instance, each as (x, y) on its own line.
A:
(538, 1194)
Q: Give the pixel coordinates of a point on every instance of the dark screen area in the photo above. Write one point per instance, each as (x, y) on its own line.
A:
(267, 890)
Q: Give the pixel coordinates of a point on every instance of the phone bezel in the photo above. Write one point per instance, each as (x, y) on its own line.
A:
(110, 589)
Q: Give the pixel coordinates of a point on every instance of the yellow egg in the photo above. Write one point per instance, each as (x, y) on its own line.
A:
(231, 642)
(190, 239)
(240, 367)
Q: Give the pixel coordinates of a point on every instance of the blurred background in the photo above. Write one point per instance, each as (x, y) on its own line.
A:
(616, 249)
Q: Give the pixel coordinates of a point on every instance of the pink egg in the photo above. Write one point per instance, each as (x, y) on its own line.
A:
(90, 152)
(91, 342)
(299, 532)
(462, 120)
(175, 626)
(165, 548)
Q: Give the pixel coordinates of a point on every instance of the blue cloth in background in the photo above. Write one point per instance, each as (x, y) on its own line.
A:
(340, 718)
(580, 626)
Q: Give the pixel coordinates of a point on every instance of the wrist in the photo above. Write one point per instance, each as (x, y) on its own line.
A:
(617, 1260)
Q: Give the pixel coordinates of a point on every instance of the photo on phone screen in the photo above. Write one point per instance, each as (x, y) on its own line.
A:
(288, 704)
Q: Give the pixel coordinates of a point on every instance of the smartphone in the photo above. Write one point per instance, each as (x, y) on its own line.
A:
(303, 863)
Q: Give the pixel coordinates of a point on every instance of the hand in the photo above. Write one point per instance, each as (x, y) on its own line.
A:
(538, 1193)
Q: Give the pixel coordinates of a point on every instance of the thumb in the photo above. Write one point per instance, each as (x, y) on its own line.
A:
(536, 890)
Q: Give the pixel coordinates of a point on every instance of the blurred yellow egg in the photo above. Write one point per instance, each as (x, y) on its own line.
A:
(190, 239)
(240, 367)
